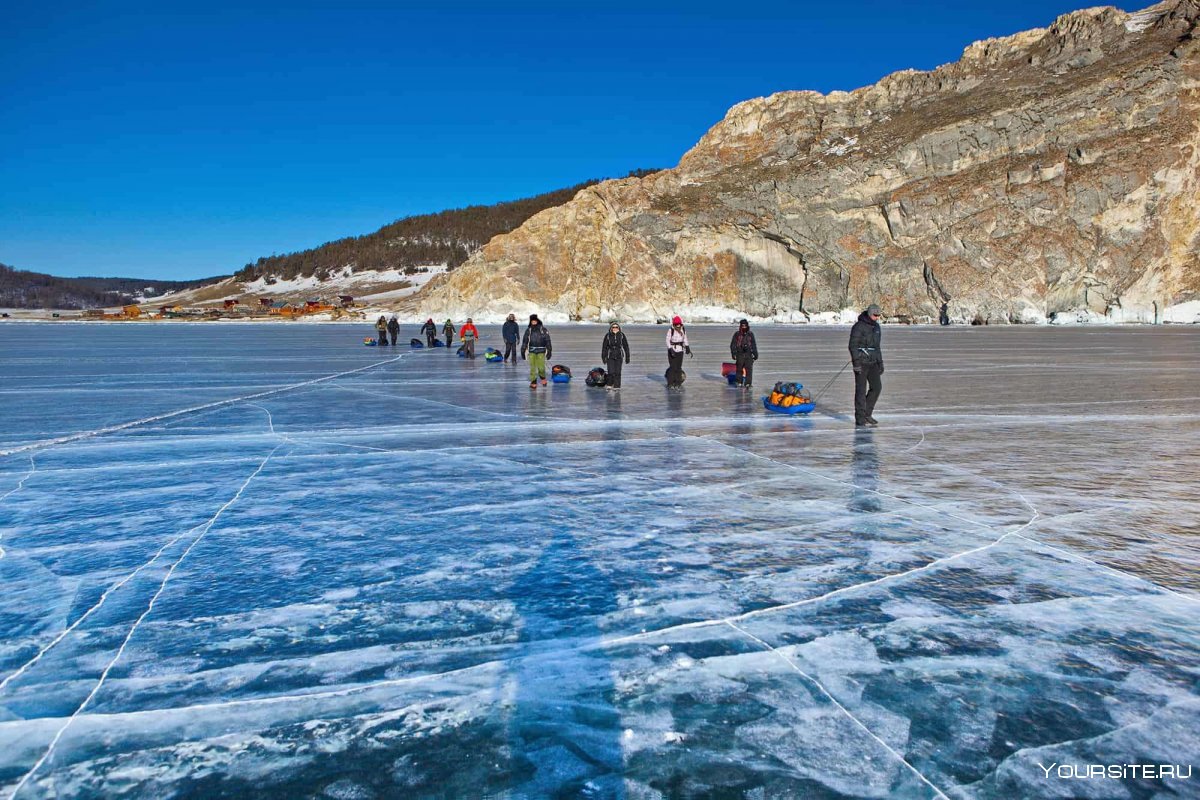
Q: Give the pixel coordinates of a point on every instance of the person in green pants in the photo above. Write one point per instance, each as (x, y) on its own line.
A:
(537, 344)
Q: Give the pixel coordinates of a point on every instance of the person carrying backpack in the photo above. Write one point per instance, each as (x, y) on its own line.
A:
(611, 351)
(449, 330)
(430, 331)
(393, 328)
(744, 351)
(677, 345)
(468, 333)
(867, 357)
(537, 344)
(511, 333)
(381, 329)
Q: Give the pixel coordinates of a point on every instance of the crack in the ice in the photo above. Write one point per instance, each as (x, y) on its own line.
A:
(1127, 575)
(75, 437)
(841, 708)
(137, 623)
(20, 485)
(406, 397)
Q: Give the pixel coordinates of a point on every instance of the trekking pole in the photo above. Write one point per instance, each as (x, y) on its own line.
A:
(829, 383)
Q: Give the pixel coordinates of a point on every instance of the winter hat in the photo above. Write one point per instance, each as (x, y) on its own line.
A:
(676, 321)
(873, 309)
(745, 322)
(534, 318)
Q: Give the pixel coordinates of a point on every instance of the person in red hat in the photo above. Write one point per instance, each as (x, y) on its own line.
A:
(430, 331)
(677, 345)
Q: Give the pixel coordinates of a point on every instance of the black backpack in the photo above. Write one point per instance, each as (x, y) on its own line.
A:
(597, 377)
(559, 369)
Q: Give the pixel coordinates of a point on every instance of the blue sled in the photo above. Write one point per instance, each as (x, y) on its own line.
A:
(799, 408)
(561, 378)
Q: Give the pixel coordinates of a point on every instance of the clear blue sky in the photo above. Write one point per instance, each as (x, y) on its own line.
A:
(177, 141)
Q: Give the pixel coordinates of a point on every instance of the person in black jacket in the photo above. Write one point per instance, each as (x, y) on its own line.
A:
(430, 331)
(610, 353)
(867, 357)
(511, 332)
(537, 344)
(744, 351)
(393, 328)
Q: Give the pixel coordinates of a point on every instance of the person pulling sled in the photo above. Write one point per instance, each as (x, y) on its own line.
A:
(744, 351)
(677, 345)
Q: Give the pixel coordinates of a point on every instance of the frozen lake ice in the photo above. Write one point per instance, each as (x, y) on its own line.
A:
(264, 560)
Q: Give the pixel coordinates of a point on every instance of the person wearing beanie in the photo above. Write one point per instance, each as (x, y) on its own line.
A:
(449, 330)
(512, 334)
(430, 331)
(677, 345)
(468, 333)
(615, 344)
(744, 351)
(867, 358)
(537, 344)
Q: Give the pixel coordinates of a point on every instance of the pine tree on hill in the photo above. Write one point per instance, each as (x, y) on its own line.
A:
(447, 237)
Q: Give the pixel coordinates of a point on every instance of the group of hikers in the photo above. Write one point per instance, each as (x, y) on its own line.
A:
(866, 357)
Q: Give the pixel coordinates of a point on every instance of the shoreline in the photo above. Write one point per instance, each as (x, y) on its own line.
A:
(367, 323)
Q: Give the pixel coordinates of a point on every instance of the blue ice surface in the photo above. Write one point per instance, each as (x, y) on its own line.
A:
(264, 560)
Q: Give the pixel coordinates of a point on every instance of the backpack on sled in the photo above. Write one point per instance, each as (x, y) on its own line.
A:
(596, 377)
(415, 344)
(560, 374)
(789, 398)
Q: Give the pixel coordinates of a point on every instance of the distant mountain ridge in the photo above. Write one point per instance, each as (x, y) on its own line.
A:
(447, 237)
(24, 289)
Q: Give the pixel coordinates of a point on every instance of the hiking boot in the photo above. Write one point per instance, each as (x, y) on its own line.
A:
(533, 384)
(872, 421)
(543, 381)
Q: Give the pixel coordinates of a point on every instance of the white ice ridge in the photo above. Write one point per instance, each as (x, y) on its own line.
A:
(20, 485)
(75, 437)
(841, 708)
(137, 623)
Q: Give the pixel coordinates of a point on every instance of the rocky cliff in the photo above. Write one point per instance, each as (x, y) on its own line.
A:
(1050, 171)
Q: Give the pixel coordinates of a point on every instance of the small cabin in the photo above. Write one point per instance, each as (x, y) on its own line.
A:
(231, 303)
(265, 302)
(346, 300)
(283, 309)
(131, 312)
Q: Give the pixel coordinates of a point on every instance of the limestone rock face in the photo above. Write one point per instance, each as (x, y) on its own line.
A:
(1056, 169)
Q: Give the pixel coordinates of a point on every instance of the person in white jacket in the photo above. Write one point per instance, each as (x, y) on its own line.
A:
(677, 345)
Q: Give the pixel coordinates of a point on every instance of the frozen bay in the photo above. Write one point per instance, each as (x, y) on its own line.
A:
(264, 560)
